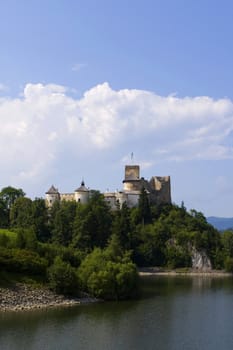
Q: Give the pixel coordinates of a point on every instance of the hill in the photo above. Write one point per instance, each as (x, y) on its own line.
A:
(220, 223)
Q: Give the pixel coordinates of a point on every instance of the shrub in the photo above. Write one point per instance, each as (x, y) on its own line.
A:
(108, 279)
(228, 264)
(21, 260)
(62, 277)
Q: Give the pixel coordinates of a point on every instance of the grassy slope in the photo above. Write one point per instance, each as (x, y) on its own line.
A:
(10, 234)
(9, 279)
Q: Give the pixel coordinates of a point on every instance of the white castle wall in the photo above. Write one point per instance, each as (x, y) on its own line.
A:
(158, 190)
(81, 197)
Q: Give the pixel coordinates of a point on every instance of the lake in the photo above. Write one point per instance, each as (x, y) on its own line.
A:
(190, 313)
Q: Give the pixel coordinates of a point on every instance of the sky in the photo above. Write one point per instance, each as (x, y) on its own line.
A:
(83, 84)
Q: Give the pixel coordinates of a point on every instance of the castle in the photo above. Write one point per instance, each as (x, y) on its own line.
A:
(158, 189)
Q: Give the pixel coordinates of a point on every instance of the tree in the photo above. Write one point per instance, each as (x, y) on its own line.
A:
(26, 239)
(178, 256)
(63, 278)
(114, 250)
(4, 214)
(228, 264)
(63, 221)
(144, 212)
(21, 213)
(40, 219)
(92, 225)
(10, 194)
(121, 225)
(227, 240)
(149, 244)
(106, 278)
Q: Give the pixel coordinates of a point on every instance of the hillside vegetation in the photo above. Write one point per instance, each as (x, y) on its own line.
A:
(74, 247)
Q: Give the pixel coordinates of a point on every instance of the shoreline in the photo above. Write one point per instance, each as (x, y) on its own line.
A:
(154, 271)
(24, 297)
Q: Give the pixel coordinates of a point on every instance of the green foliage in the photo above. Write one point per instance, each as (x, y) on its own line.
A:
(62, 277)
(121, 225)
(8, 238)
(9, 194)
(114, 250)
(227, 241)
(40, 220)
(97, 249)
(178, 256)
(116, 281)
(92, 225)
(62, 222)
(228, 264)
(67, 254)
(20, 260)
(149, 245)
(21, 213)
(143, 210)
(108, 279)
(26, 239)
(4, 214)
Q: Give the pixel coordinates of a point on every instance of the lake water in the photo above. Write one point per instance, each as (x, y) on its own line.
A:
(173, 313)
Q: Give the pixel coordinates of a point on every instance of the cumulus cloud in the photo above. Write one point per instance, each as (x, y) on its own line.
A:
(44, 121)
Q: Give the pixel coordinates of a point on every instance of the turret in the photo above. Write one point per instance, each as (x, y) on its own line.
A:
(81, 194)
(51, 196)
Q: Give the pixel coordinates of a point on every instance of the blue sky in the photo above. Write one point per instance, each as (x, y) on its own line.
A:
(85, 83)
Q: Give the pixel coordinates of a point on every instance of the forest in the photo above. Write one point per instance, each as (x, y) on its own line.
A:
(75, 248)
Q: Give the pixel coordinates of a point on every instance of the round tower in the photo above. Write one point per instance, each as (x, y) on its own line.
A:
(81, 194)
(132, 181)
(51, 196)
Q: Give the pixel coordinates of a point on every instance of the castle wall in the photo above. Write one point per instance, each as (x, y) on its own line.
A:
(158, 189)
(110, 198)
(121, 197)
(67, 197)
(162, 189)
(133, 198)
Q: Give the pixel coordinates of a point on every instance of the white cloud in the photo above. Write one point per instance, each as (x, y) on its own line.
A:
(37, 128)
(52, 136)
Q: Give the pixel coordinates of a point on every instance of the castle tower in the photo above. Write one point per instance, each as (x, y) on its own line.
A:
(161, 189)
(81, 194)
(132, 181)
(51, 196)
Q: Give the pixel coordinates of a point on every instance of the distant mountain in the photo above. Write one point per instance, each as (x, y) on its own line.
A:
(220, 223)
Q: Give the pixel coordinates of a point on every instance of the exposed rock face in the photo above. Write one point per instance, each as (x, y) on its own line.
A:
(200, 260)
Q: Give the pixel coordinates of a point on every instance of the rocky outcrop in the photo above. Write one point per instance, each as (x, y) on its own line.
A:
(200, 260)
(25, 297)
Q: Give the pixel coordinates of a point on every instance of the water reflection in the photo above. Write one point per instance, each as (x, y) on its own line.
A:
(173, 313)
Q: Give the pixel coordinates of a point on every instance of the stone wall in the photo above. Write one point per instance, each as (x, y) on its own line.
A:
(158, 189)
(67, 197)
(132, 172)
(161, 189)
